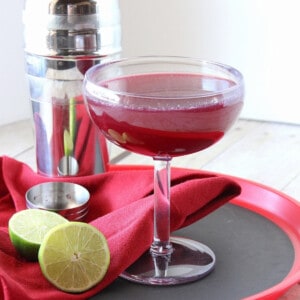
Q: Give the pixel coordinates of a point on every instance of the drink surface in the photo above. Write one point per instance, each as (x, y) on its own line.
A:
(165, 114)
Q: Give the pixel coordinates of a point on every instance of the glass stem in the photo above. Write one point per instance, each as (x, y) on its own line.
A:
(161, 245)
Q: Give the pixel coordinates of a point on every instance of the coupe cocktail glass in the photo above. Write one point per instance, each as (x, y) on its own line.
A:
(165, 107)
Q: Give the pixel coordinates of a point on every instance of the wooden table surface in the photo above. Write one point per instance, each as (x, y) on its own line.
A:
(264, 152)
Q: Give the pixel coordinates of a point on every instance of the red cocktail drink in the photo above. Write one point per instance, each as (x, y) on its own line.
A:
(182, 119)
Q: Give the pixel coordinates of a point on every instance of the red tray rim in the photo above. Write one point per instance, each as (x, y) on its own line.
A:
(282, 210)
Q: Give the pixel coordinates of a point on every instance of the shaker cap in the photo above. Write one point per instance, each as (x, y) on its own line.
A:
(72, 27)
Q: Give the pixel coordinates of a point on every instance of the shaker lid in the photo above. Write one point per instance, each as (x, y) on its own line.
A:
(75, 7)
(72, 27)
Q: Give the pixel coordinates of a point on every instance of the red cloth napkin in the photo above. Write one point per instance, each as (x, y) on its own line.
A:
(121, 206)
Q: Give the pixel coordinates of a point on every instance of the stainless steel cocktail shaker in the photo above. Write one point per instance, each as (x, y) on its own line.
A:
(63, 38)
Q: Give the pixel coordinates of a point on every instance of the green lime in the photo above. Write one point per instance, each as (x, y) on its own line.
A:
(72, 118)
(68, 143)
(74, 256)
(28, 227)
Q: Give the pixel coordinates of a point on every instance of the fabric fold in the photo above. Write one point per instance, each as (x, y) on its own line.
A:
(121, 206)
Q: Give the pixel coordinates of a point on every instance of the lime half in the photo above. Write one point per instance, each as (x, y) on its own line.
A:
(74, 256)
(27, 229)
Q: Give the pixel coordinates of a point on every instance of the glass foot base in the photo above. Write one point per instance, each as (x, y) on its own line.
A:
(189, 261)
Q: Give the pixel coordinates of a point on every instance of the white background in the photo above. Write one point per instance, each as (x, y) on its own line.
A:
(259, 37)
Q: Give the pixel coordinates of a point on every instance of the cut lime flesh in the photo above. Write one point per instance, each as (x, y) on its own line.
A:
(74, 256)
(27, 229)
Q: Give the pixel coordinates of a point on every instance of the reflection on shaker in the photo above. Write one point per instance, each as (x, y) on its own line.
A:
(42, 148)
(66, 139)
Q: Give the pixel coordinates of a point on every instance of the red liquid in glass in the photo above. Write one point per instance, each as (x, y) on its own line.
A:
(179, 124)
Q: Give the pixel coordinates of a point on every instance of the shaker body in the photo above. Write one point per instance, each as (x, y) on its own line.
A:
(67, 142)
(63, 38)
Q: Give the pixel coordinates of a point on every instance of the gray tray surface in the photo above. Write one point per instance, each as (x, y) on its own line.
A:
(253, 254)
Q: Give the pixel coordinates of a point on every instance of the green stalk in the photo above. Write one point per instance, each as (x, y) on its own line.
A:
(69, 134)
(72, 119)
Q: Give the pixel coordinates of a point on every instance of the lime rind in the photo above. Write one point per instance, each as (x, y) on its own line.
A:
(27, 229)
(74, 257)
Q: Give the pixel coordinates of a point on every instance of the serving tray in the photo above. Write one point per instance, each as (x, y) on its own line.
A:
(256, 239)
